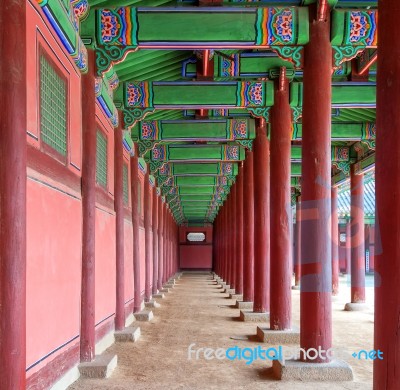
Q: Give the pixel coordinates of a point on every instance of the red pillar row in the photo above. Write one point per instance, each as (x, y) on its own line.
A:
(155, 239)
(13, 126)
(281, 218)
(261, 219)
(160, 242)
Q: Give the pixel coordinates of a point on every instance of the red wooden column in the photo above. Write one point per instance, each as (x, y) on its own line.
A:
(165, 244)
(261, 219)
(13, 196)
(228, 239)
(147, 237)
(335, 242)
(281, 220)
(135, 230)
(233, 228)
(87, 336)
(119, 226)
(316, 273)
(168, 245)
(239, 232)
(357, 238)
(160, 242)
(348, 248)
(387, 171)
(155, 240)
(248, 228)
(297, 263)
(223, 247)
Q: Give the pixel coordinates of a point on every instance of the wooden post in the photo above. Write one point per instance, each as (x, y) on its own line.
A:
(281, 217)
(297, 263)
(261, 219)
(13, 127)
(233, 227)
(87, 336)
(357, 237)
(147, 239)
(119, 226)
(135, 230)
(387, 171)
(248, 229)
(316, 268)
(335, 242)
(155, 240)
(239, 232)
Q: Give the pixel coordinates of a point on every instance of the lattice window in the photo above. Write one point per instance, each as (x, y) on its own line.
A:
(53, 107)
(125, 184)
(101, 159)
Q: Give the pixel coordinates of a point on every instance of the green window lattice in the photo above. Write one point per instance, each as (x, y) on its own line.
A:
(53, 107)
(125, 183)
(101, 159)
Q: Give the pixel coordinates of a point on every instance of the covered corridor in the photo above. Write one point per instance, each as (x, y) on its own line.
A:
(198, 311)
(255, 142)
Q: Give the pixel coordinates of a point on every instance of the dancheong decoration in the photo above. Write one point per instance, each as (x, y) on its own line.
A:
(276, 26)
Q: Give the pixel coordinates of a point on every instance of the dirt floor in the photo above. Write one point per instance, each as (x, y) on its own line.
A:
(196, 311)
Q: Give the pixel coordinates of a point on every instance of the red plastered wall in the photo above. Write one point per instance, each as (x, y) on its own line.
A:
(53, 210)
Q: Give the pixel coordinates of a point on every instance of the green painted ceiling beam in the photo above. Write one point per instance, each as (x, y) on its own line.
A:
(188, 130)
(344, 94)
(197, 181)
(212, 153)
(195, 94)
(196, 197)
(201, 169)
(179, 27)
(342, 131)
(338, 153)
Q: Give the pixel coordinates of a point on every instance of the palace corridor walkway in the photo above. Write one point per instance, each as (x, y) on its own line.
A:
(196, 311)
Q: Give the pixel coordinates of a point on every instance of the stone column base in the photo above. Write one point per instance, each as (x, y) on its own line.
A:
(295, 287)
(287, 336)
(152, 303)
(160, 295)
(238, 297)
(244, 305)
(296, 370)
(359, 306)
(251, 316)
(229, 291)
(130, 334)
(101, 367)
(145, 315)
